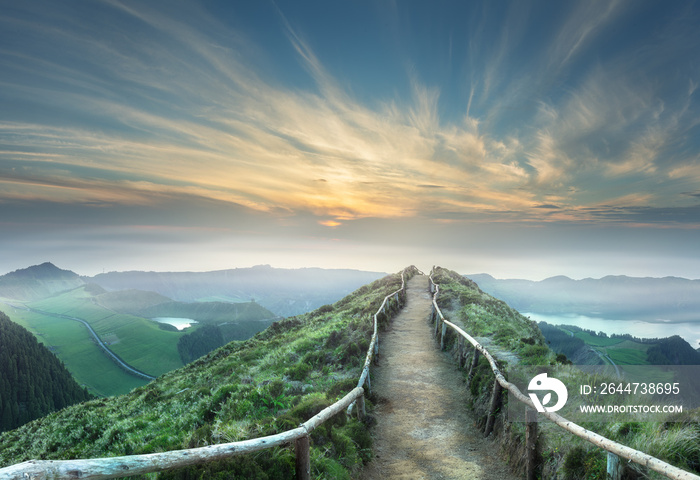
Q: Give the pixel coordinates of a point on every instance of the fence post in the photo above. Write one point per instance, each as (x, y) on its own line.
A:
(303, 461)
(376, 350)
(531, 444)
(614, 467)
(472, 368)
(460, 351)
(361, 407)
(443, 334)
(493, 409)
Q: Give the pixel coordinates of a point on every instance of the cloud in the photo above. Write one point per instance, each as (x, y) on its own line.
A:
(181, 108)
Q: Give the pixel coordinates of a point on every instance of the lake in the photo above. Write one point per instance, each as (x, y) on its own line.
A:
(179, 323)
(690, 331)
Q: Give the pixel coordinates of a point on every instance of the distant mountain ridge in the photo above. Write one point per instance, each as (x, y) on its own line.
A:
(38, 281)
(614, 296)
(286, 292)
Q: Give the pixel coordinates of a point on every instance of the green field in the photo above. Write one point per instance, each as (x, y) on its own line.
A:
(597, 341)
(138, 341)
(72, 343)
(628, 356)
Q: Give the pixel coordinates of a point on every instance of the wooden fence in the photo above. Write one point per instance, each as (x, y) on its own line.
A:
(613, 448)
(113, 467)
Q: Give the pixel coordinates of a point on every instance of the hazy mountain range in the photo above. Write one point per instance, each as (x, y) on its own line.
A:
(668, 298)
(285, 292)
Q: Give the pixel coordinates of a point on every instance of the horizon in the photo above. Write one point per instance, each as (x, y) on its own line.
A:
(521, 139)
(324, 268)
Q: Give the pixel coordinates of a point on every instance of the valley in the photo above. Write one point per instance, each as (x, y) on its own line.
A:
(299, 365)
(107, 337)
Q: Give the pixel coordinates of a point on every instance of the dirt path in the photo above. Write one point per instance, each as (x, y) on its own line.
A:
(424, 430)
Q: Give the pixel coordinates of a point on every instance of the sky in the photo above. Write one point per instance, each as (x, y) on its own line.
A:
(524, 139)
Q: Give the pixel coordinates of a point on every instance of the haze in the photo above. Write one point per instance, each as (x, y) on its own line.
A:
(524, 139)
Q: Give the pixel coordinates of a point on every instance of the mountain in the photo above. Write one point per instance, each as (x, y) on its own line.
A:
(285, 292)
(33, 381)
(670, 298)
(38, 281)
(265, 385)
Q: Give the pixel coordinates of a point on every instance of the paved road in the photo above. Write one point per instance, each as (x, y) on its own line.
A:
(424, 429)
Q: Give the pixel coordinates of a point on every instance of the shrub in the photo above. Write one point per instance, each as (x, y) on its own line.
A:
(299, 371)
(582, 464)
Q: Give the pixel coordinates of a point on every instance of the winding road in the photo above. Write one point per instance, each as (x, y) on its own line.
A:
(128, 368)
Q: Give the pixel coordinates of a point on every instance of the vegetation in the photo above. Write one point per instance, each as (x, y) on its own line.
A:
(33, 382)
(146, 345)
(200, 342)
(514, 339)
(464, 303)
(73, 345)
(575, 342)
(245, 389)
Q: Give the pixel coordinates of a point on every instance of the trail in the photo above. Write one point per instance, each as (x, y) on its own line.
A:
(424, 429)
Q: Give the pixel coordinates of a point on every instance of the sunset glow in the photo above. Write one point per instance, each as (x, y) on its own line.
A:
(274, 121)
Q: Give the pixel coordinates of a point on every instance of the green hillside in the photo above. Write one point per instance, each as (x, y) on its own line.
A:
(517, 342)
(33, 382)
(265, 385)
(587, 347)
(122, 321)
(38, 281)
(465, 304)
(138, 341)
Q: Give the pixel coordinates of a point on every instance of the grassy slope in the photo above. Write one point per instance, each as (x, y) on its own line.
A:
(138, 341)
(562, 453)
(72, 343)
(480, 314)
(267, 384)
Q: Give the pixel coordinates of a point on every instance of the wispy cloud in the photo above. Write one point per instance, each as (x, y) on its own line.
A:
(181, 108)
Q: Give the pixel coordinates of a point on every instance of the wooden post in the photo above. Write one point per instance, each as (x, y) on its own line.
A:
(531, 444)
(614, 467)
(443, 334)
(472, 368)
(361, 412)
(376, 350)
(303, 461)
(493, 409)
(460, 351)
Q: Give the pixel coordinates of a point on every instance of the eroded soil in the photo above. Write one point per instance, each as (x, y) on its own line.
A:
(424, 430)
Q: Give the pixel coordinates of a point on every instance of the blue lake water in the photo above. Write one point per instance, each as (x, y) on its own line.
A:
(179, 323)
(690, 331)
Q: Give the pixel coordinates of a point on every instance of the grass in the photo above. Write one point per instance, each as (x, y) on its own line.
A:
(138, 341)
(141, 342)
(242, 390)
(627, 356)
(72, 343)
(480, 314)
(563, 455)
(598, 341)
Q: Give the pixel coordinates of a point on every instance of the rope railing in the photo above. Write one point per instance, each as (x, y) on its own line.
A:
(500, 382)
(113, 467)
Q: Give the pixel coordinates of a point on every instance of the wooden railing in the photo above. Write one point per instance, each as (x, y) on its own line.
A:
(113, 467)
(612, 447)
